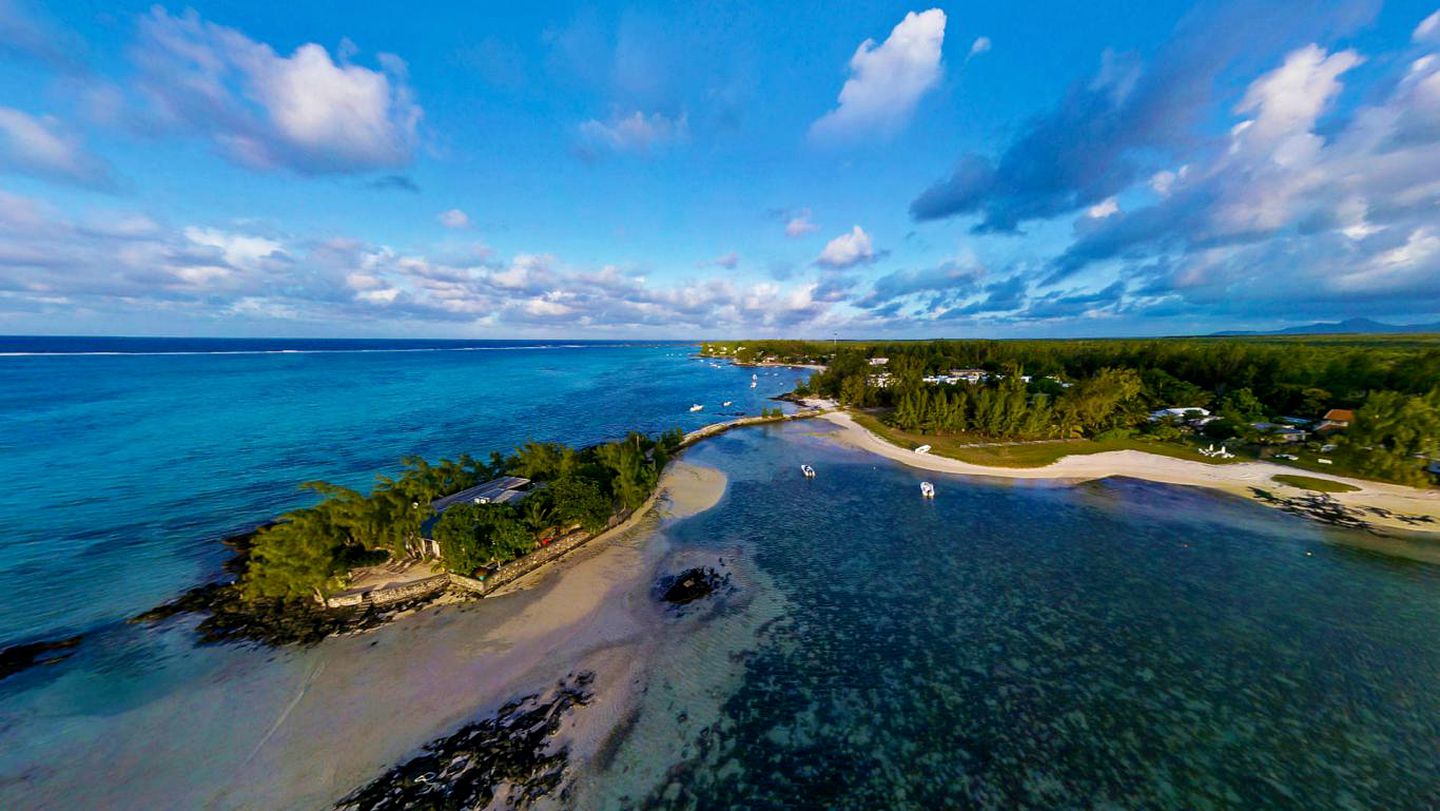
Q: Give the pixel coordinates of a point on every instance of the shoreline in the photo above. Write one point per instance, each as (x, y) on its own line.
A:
(305, 727)
(1238, 479)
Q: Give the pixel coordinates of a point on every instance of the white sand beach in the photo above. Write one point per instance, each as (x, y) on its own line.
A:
(299, 729)
(1236, 478)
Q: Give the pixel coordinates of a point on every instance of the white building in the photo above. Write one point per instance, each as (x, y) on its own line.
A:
(1190, 413)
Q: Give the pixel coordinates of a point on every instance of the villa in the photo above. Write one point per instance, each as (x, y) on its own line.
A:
(1336, 419)
(1187, 413)
(1281, 432)
(504, 490)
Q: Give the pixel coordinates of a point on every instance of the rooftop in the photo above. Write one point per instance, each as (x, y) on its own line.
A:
(497, 491)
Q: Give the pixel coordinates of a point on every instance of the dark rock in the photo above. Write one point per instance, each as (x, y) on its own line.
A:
(46, 652)
(229, 618)
(509, 752)
(690, 585)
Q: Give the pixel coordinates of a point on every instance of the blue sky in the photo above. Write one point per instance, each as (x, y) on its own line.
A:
(638, 170)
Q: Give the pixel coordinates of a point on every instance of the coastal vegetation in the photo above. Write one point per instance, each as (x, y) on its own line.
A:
(307, 552)
(1108, 391)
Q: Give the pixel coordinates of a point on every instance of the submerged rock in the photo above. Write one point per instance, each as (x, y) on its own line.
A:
(507, 755)
(691, 585)
(46, 652)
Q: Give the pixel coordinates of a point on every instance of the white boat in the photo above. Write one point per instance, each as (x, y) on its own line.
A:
(752, 384)
(754, 377)
(808, 471)
(726, 404)
(927, 490)
(923, 449)
(696, 407)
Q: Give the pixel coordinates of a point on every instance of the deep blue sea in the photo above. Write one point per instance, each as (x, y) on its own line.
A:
(126, 459)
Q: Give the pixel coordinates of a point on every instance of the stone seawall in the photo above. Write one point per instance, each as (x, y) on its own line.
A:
(384, 596)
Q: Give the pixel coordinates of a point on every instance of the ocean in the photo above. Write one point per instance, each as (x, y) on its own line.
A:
(1009, 644)
(125, 460)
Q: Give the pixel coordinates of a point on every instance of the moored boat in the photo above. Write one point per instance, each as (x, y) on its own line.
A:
(696, 407)
(808, 471)
(927, 490)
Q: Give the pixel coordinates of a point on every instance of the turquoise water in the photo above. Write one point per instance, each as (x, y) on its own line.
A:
(124, 460)
(1020, 645)
(1008, 645)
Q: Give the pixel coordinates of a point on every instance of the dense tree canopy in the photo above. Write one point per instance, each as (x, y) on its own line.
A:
(308, 551)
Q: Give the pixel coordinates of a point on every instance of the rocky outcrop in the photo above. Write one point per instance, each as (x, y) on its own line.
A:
(503, 761)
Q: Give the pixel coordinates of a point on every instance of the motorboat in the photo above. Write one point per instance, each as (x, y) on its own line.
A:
(808, 471)
(726, 404)
(752, 383)
(923, 449)
(697, 407)
(927, 490)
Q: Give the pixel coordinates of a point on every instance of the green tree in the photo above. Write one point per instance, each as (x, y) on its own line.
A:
(1394, 435)
(475, 535)
(579, 500)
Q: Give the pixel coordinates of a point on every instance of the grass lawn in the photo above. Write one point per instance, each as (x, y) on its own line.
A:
(1312, 483)
(1036, 454)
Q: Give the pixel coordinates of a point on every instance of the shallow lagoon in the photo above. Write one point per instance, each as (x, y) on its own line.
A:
(1114, 644)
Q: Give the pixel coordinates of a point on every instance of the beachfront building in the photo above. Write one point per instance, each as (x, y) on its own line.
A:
(880, 381)
(504, 490)
(1182, 413)
(971, 376)
(1280, 432)
(1336, 419)
(879, 361)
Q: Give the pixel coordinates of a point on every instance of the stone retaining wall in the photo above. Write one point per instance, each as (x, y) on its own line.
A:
(385, 596)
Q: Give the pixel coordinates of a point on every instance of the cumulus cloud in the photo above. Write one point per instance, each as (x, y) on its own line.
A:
(799, 225)
(847, 250)
(1105, 132)
(122, 263)
(1325, 215)
(887, 80)
(979, 46)
(454, 218)
(635, 133)
(935, 289)
(309, 112)
(40, 146)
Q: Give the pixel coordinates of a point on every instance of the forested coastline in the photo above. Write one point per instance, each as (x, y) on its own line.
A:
(1063, 389)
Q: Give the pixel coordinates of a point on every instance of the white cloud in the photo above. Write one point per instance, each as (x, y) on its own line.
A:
(1428, 30)
(1288, 100)
(307, 112)
(635, 132)
(454, 218)
(40, 146)
(1103, 209)
(847, 250)
(127, 266)
(887, 80)
(800, 225)
(240, 251)
(979, 46)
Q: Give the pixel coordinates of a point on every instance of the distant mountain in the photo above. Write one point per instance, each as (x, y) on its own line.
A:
(1349, 325)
